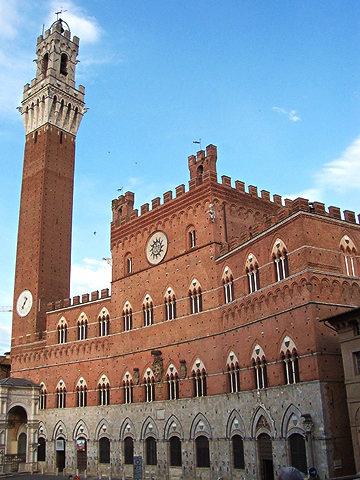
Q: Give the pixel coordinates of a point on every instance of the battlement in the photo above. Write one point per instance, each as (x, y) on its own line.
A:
(79, 300)
(203, 171)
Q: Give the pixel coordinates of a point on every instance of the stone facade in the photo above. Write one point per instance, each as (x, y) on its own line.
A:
(209, 359)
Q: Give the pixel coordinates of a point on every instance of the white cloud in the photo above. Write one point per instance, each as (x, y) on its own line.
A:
(291, 114)
(339, 176)
(8, 19)
(5, 333)
(343, 173)
(83, 26)
(89, 276)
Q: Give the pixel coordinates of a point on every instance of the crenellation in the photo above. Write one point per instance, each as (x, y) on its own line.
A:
(105, 293)
(226, 181)
(253, 191)
(277, 199)
(349, 216)
(240, 186)
(144, 208)
(335, 212)
(265, 195)
(155, 203)
(167, 196)
(288, 202)
(300, 204)
(67, 302)
(85, 298)
(95, 295)
(319, 208)
(76, 300)
(179, 190)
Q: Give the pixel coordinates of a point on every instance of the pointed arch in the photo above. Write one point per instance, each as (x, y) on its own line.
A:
(148, 310)
(82, 326)
(200, 426)
(170, 304)
(280, 259)
(60, 431)
(128, 385)
(199, 378)
(172, 427)
(228, 284)
(104, 390)
(103, 429)
(149, 429)
(104, 322)
(260, 367)
(127, 429)
(252, 272)
(195, 296)
(80, 430)
(348, 250)
(261, 422)
(235, 425)
(81, 392)
(233, 372)
(149, 383)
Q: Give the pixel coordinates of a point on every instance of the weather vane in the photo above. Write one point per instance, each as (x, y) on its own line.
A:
(59, 13)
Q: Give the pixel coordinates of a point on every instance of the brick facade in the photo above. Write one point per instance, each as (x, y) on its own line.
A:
(212, 335)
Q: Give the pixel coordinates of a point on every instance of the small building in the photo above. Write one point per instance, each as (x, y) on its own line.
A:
(347, 325)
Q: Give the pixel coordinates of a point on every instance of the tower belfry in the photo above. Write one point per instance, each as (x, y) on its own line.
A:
(52, 109)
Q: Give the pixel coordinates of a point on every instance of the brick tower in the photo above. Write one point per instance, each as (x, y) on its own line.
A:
(52, 109)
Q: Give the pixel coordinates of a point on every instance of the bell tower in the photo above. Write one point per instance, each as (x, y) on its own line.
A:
(52, 109)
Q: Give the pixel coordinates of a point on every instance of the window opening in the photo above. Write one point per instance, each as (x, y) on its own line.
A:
(202, 452)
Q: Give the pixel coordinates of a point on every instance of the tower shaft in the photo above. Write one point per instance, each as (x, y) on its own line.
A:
(51, 109)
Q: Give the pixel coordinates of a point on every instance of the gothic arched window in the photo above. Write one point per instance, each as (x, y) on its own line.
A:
(252, 271)
(281, 264)
(349, 253)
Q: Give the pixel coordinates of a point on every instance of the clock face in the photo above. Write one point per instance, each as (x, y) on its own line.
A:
(156, 247)
(24, 303)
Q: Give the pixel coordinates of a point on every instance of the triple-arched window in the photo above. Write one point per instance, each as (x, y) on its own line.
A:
(280, 259)
(252, 271)
(195, 295)
(349, 253)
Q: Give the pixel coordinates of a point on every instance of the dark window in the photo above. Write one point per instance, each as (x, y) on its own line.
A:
(64, 64)
(151, 457)
(238, 452)
(45, 64)
(175, 452)
(357, 362)
(202, 452)
(298, 452)
(41, 449)
(128, 451)
(104, 447)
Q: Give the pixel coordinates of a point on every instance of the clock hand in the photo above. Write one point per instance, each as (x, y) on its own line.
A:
(23, 305)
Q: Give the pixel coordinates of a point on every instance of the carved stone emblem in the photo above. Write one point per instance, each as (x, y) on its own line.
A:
(183, 369)
(158, 368)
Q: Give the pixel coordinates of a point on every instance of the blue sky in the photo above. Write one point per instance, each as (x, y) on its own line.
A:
(274, 84)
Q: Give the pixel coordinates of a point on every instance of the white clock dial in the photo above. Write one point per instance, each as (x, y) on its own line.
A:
(24, 303)
(156, 247)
